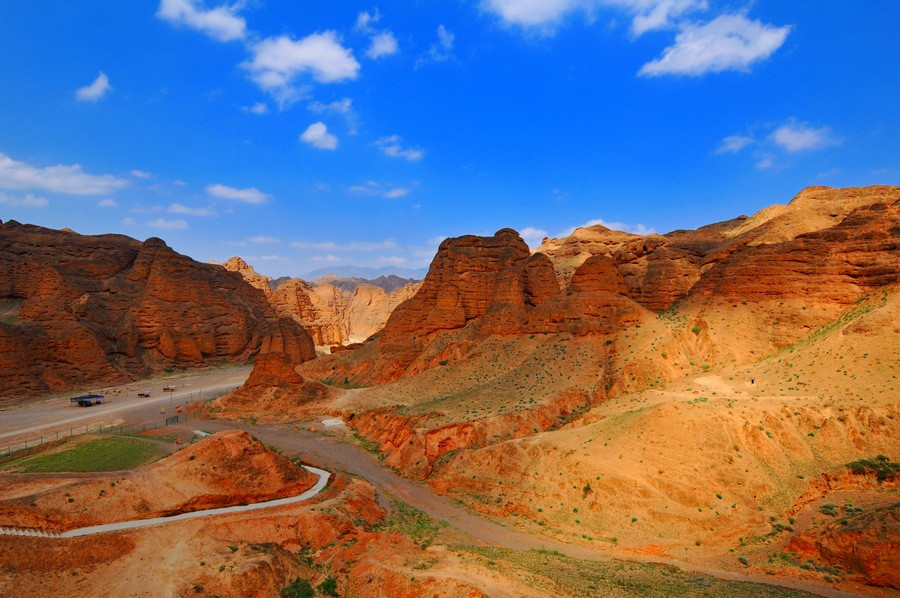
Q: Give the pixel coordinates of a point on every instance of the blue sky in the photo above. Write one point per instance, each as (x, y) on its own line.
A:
(309, 134)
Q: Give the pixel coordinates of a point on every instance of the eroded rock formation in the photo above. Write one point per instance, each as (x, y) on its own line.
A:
(86, 310)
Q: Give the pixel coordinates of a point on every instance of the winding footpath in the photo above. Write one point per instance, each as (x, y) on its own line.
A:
(138, 523)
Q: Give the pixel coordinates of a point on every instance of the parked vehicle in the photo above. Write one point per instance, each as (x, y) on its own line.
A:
(87, 400)
(169, 388)
(143, 394)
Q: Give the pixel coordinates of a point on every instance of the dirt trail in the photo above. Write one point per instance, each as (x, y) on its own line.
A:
(335, 454)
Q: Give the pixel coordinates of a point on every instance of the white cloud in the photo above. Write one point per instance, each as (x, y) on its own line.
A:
(257, 108)
(277, 61)
(531, 13)
(390, 146)
(29, 201)
(94, 91)
(365, 20)
(765, 162)
(733, 144)
(317, 135)
(351, 246)
(728, 42)
(383, 44)
(128, 221)
(657, 14)
(70, 180)
(798, 137)
(179, 183)
(177, 208)
(533, 236)
(544, 15)
(377, 189)
(107, 203)
(441, 50)
(635, 229)
(221, 23)
(251, 195)
(273, 258)
(342, 107)
(163, 224)
(141, 174)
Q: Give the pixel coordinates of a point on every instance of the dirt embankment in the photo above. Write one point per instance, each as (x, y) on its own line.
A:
(228, 468)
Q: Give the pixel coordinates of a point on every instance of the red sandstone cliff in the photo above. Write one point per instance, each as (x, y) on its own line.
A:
(85, 310)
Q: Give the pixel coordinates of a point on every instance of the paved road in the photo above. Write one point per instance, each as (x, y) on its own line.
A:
(122, 404)
(137, 523)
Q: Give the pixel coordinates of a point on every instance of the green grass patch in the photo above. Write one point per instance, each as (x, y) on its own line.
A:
(111, 453)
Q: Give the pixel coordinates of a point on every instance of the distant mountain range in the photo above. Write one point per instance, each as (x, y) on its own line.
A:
(367, 273)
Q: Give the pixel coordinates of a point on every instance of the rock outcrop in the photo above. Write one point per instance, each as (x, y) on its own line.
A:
(108, 308)
(866, 545)
(661, 270)
(801, 265)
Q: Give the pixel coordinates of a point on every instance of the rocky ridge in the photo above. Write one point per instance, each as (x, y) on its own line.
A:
(84, 310)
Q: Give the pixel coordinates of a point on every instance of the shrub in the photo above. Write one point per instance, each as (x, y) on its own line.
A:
(744, 560)
(328, 587)
(299, 588)
(881, 466)
(829, 509)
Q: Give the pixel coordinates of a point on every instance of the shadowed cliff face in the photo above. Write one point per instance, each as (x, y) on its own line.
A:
(100, 309)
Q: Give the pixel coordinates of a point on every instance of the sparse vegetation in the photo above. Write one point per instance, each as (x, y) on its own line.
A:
(881, 466)
(414, 523)
(299, 588)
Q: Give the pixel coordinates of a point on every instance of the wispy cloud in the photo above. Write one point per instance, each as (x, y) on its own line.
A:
(257, 108)
(390, 146)
(362, 246)
(374, 188)
(251, 195)
(107, 203)
(382, 44)
(317, 135)
(342, 107)
(177, 208)
(164, 224)
(70, 180)
(544, 16)
(28, 201)
(733, 144)
(533, 236)
(795, 137)
(441, 50)
(264, 240)
(96, 90)
(141, 174)
(221, 23)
